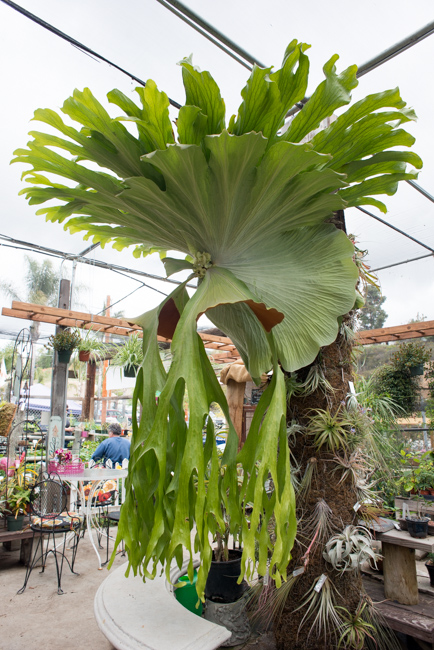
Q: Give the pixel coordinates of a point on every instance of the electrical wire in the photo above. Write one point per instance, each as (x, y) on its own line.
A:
(389, 225)
(389, 266)
(51, 252)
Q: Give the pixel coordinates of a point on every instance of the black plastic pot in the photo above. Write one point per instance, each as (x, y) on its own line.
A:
(416, 370)
(221, 585)
(430, 568)
(417, 526)
(130, 371)
(64, 356)
(14, 523)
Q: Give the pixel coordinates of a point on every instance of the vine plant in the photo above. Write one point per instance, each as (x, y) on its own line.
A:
(248, 205)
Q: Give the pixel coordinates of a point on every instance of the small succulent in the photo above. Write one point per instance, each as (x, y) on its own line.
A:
(64, 340)
(347, 551)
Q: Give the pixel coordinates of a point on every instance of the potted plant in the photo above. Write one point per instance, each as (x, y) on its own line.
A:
(90, 346)
(413, 481)
(430, 566)
(222, 582)
(129, 357)
(64, 343)
(16, 493)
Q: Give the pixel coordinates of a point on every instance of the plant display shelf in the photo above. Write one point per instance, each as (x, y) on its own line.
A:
(399, 564)
(413, 620)
(24, 536)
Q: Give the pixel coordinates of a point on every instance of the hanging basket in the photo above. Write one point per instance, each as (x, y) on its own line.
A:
(130, 371)
(64, 356)
(84, 355)
(416, 370)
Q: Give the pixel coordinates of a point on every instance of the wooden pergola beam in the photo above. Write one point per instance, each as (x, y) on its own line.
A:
(224, 351)
(118, 326)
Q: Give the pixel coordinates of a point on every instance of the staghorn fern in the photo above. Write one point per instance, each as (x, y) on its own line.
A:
(247, 205)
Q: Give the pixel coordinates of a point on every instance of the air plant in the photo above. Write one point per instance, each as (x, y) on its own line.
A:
(347, 333)
(316, 380)
(306, 482)
(321, 606)
(327, 430)
(265, 602)
(385, 638)
(353, 465)
(355, 629)
(319, 523)
(293, 429)
(347, 551)
(293, 387)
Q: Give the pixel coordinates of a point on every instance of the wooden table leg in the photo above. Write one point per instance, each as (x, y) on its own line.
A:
(399, 570)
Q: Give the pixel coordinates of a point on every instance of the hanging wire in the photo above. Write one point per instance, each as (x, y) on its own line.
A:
(76, 43)
(389, 225)
(27, 246)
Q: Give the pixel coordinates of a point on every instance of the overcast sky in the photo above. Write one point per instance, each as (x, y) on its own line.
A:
(40, 70)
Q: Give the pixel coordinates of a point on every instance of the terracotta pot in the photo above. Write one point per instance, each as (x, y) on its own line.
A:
(84, 355)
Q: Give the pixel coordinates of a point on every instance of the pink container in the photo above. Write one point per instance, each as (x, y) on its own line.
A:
(75, 467)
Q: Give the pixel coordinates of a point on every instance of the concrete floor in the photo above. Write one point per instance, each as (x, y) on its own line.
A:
(40, 619)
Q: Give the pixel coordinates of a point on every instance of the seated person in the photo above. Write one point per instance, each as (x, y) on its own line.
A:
(115, 447)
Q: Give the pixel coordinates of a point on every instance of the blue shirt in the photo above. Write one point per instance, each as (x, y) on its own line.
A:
(115, 448)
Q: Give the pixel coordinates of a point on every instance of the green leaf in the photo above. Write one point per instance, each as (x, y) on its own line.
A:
(267, 97)
(202, 91)
(331, 94)
(173, 265)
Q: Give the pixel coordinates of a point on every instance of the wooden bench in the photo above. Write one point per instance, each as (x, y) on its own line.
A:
(414, 620)
(399, 564)
(134, 615)
(23, 536)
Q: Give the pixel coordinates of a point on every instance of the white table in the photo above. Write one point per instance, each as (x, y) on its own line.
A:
(95, 476)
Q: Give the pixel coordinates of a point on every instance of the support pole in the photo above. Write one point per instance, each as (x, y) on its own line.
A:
(89, 394)
(106, 365)
(60, 370)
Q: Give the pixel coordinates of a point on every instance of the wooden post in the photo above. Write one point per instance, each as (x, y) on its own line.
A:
(89, 392)
(59, 380)
(399, 570)
(235, 397)
(106, 364)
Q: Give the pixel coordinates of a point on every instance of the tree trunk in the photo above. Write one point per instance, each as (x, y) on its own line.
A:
(325, 485)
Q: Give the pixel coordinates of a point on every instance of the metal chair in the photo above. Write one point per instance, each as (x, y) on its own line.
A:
(49, 518)
(112, 516)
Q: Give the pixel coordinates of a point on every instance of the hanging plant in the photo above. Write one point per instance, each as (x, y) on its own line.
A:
(248, 206)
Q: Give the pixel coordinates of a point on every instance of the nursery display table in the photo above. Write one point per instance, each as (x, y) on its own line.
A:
(399, 564)
(24, 536)
(96, 477)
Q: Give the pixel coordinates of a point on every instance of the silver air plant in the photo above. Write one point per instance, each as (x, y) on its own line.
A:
(320, 601)
(347, 551)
